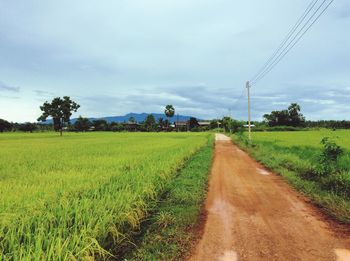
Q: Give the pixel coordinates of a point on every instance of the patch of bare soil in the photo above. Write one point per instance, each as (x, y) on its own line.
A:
(252, 214)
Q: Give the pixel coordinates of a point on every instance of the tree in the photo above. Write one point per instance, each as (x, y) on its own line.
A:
(290, 117)
(100, 125)
(226, 123)
(150, 122)
(132, 120)
(296, 118)
(161, 123)
(169, 112)
(277, 118)
(237, 126)
(30, 127)
(215, 123)
(116, 126)
(5, 125)
(60, 110)
(82, 124)
(192, 123)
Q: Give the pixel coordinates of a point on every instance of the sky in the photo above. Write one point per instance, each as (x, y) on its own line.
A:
(119, 56)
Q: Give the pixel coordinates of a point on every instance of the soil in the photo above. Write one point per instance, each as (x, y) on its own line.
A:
(253, 214)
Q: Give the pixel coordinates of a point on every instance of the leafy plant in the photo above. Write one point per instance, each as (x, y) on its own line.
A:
(329, 156)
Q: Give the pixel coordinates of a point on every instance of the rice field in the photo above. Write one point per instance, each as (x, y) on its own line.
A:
(303, 138)
(81, 195)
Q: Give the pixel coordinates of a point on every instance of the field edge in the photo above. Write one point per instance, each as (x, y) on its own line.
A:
(170, 232)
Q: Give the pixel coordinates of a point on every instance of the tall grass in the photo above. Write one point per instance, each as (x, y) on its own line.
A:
(83, 194)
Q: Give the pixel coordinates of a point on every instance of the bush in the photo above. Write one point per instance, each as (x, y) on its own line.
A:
(328, 159)
(339, 183)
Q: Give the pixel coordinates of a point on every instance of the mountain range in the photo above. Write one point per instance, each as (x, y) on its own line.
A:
(139, 117)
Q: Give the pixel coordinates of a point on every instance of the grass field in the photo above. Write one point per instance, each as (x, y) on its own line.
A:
(82, 195)
(296, 156)
(303, 138)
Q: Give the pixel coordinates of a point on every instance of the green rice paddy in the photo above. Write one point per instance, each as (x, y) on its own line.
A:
(82, 195)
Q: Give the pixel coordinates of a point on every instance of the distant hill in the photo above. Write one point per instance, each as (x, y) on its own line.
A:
(138, 117)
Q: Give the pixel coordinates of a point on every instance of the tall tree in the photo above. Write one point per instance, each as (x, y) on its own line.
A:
(60, 110)
(150, 122)
(5, 125)
(295, 117)
(169, 112)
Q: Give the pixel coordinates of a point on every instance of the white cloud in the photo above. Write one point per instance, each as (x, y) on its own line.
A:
(128, 49)
(317, 101)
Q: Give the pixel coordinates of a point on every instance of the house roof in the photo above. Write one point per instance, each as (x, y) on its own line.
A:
(204, 123)
(181, 123)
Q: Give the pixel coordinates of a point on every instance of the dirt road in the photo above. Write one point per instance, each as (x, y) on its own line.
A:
(253, 214)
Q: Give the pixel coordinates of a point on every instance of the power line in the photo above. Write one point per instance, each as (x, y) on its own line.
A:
(237, 100)
(288, 36)
(286, 48)
(293, 42)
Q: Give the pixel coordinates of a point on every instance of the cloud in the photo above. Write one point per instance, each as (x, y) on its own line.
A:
(43, 93)
(5, 87)
(319, 101)
(9, 97)
(122, 56)
(281, 103)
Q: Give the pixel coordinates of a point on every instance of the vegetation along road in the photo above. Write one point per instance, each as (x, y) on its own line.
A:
(252, 214)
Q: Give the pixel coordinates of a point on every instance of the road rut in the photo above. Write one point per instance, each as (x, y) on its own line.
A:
(252, 214)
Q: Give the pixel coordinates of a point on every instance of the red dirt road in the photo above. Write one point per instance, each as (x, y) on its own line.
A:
(253, 214)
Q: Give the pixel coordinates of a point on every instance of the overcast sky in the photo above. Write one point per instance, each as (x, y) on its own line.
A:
(120, 56)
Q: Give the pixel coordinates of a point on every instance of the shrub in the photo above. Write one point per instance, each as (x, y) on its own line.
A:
(328, 159)
(339, 183)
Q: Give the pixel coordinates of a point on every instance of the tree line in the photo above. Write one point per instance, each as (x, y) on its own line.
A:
(60, 110)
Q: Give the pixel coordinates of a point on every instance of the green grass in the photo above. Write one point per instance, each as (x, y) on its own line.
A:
(303, 138)
(170, 232)
(295, 155)
(82, 195)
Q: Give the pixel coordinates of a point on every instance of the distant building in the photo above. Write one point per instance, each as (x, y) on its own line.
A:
(204, 123)
(181, 123)
(247, 125)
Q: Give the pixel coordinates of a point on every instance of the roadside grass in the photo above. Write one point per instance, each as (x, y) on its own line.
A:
(169, 232)
(296, 158)
(82, 196)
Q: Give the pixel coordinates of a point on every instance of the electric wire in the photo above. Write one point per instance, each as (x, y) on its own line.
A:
(289, 46)
(288, 36)
(276, 59)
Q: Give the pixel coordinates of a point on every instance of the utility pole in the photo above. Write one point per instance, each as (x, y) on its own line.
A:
(249, 124)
